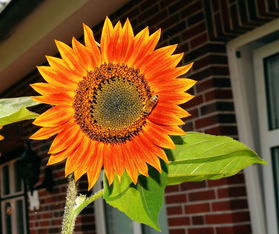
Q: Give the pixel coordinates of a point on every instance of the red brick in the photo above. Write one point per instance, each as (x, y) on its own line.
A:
(201, 230)
(232, 192)
(176, 231)
(236, 179)
(215, 183)
(193, 185)
(200, 123)
(179, 221)
(201, 39)
(174, 210)
(193, 102)
(197, 208)
(202, 195)
(227, 218)
(218, 94)
(178, 198)
(172, 188)
(197, 220)
(191, 9)
(222, 130)
(189, 33)
(234, 229)
(230, 205)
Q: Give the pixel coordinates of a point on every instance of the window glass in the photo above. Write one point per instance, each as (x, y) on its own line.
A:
(17, 180)
(20, 216)
(271, 68)
(6, 180)
(117, 222)
(275, 166)
(8, 217)
(162, 221)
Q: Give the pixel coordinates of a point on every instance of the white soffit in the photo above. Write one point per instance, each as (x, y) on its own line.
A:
(34, 37)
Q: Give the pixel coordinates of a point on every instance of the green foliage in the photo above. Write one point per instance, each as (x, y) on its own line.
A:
(201, 156)
(14, 110)
(141, 202)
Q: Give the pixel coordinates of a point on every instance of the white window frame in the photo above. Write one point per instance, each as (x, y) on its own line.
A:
(12, 198)
(242, 75)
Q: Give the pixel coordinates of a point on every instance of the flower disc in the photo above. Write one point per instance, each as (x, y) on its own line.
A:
(113, 106)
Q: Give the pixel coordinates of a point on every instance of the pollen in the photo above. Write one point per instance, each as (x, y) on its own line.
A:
(109, 103)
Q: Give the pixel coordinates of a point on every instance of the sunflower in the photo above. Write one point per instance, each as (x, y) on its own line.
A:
(114, 105)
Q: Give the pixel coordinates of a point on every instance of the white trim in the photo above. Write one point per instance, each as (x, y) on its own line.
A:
(241, 72)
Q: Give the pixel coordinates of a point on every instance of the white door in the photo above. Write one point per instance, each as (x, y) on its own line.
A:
(266, 62)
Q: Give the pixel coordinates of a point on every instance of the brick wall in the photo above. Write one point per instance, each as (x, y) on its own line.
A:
(201, 28)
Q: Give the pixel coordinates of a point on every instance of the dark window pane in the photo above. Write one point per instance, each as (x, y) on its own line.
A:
(275, 167)
(20, 217)
(8, 218)
(6, 180)
(271, 67)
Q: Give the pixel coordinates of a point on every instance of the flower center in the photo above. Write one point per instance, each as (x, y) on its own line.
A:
(109, 103)
(117, 104)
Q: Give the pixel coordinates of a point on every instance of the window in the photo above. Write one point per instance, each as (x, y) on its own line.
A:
(266, 63)
(254, 67)
(13, 211)
(110, 220)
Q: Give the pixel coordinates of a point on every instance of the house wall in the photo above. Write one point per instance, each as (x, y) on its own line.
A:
(201, 28)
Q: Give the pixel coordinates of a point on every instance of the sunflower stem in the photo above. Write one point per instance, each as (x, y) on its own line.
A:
(88, 201)
(69, 217)
(74, 205)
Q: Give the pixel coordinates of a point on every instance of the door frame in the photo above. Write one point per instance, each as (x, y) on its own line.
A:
(240, 57)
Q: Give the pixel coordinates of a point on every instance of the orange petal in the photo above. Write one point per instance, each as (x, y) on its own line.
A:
(83, 54)
(171, 109)
(70, 57)
(60, 66)
(44, 88)
(55, 99)
(56, 79)
(146, 154)
(168, 129)
(81, 152)
(129, 164)
(117, 163)
(175, 98)
(105, 39)
(109, 163)
(96, 164)
(153, 148)
(128, 41)
(45, 133)
(158, 137)
(145, 49)
(91, 44)
(55, 158)
(164, 117)
(82, 168)
(65, 138)
(54, 116)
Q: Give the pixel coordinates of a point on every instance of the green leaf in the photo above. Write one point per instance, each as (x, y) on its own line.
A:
(201, 156)
(141, 202)
(14, 110)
